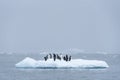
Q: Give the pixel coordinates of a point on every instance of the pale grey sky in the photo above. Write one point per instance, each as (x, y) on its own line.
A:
(34, 25)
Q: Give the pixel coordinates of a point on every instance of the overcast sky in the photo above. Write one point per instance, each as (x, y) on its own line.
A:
(34, 25)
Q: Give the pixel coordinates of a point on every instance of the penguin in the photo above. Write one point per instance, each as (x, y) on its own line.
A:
(66, 57)
(69, 58)
(50, 56)
(58, 57)
(46, 57)
(54, 57)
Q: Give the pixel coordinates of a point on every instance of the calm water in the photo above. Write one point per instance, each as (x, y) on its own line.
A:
(9, 72)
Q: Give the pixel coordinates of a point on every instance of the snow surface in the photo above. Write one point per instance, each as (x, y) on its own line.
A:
(74, 63)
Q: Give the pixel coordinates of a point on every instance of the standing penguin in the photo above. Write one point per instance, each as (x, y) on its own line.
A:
(54, 57)
(69, 58)
(66, 57)
(50, 56)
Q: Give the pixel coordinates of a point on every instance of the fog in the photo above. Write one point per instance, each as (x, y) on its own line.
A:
(35, 25)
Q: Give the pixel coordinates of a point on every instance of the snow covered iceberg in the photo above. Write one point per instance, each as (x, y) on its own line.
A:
(50, 63)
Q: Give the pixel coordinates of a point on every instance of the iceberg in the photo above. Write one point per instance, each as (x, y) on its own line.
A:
(50, 63)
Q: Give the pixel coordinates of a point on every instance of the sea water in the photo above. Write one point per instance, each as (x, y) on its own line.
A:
(8, 71)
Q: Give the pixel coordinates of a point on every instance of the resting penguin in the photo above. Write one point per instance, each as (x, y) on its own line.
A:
(58, 57)
(46, 57)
